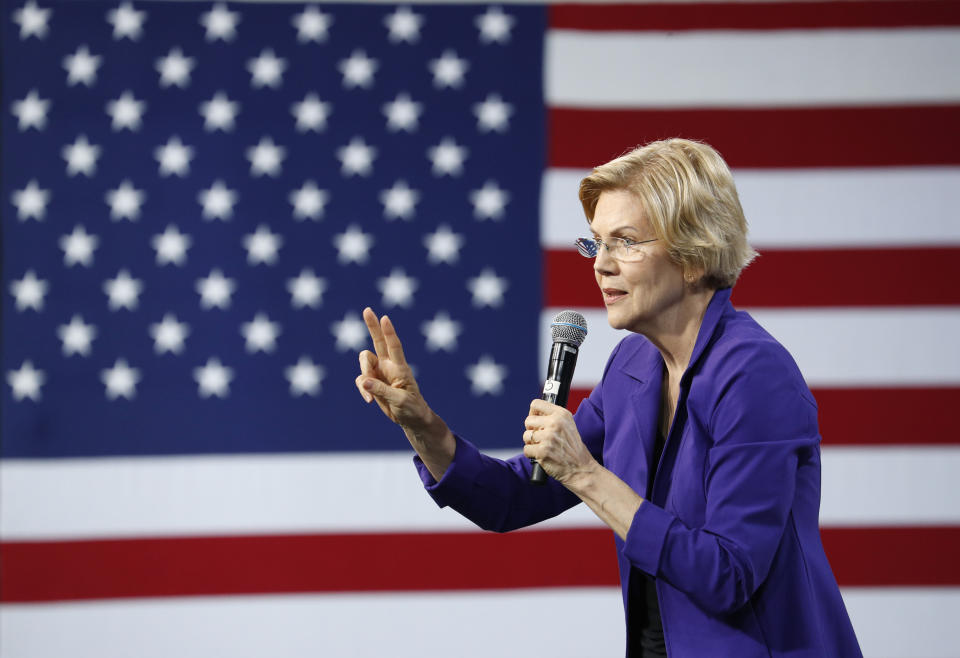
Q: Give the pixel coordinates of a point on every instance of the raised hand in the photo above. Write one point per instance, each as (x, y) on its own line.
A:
(386, 378)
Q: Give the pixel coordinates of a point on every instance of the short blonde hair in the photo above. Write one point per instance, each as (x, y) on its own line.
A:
(689, 197)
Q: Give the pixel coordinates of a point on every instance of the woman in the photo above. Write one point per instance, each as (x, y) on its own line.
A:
(699, 447)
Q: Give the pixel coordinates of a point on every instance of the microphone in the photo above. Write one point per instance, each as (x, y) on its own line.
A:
(568, 330)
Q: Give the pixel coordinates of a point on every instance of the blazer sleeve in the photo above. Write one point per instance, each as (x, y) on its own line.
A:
(496, 494)
(764, 423)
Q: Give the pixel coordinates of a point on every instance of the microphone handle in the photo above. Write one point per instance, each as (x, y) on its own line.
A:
(563, 359)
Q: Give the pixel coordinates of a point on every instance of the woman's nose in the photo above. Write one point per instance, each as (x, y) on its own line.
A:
(604, 263)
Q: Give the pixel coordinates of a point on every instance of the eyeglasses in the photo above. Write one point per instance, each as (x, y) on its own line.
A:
(621, 249)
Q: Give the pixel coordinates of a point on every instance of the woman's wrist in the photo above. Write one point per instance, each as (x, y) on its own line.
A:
(584, 479)
(434, 443)
(610, 498)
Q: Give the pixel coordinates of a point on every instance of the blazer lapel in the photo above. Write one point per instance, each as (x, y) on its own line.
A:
(645, 367)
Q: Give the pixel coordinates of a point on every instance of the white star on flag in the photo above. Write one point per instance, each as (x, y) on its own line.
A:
(120, 380)
(32, 20)
(487, 288)
(306, 289)
(489, 201)
(171, 246)
(312, 25)
(353, 245)
(31, 112)
(266, 70)
(486, 376)
(443, 245)
(399, 201)
(358, 70)
(262, 245)
(215, 290)
(169, 335)
(127, 21)
(493, 114)
(304, 377)
(213, 379)
(266, 158)
(123, 291)
(125, 201)
(174, 157)
(350, 332)
(29, 291)
(31, 201)
(26, 381)
(126, 112)
(81, 67)
(447, 157)
(311, 113)
(356, 157)
(441, 332)
(448, 70)
(175, 69)
(219, 113)
(402, 113)
(397, 288)
(308, 201)
(81, 157)
(220, 23)
(260, 334)
(494, 26)
(76, 336)
(403, 25)
(217, 201)
(78, 247)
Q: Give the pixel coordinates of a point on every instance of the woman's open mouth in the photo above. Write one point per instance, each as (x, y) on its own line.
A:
(612, 295)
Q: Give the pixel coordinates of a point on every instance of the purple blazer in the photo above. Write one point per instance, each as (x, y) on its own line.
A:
(729, 525)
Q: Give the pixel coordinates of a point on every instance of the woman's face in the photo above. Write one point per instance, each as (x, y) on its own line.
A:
(638, 295)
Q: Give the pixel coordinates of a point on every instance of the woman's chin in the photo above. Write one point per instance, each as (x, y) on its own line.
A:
(615, 319)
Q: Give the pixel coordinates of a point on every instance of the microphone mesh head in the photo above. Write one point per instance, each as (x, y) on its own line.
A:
(569, 327)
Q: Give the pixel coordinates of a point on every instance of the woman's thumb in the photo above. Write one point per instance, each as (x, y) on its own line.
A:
(378, 389)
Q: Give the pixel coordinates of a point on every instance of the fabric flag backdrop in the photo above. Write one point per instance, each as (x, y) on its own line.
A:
(199, 198)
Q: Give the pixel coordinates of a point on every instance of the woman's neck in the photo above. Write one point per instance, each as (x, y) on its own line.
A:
(676, 332)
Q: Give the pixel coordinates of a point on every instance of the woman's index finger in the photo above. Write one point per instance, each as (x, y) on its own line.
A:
(376, 333)
(394, 346)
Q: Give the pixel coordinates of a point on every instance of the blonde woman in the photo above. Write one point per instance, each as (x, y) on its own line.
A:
(699, 448)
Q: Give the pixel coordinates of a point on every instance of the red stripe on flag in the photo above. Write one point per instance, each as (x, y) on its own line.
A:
(785, 278)
(917, 276)
(898, 416)
(877, 416)
(754, 15)
(106, 569)
(889, 556)
(811, 137)
(98, 569)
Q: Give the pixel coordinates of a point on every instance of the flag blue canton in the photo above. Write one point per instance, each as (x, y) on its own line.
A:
(199, 199)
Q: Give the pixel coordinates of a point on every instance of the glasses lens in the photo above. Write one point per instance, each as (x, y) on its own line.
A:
(587, 247)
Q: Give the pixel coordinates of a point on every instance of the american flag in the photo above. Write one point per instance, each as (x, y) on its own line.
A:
(199, 198)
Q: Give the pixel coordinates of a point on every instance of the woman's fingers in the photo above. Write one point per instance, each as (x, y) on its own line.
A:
(376, 333)
(542, 407)
(359, 381)
(368, 362)
(393, 346)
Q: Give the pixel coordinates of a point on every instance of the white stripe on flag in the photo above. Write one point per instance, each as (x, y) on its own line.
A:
(752, 68)
(806, 207)
(834, 347)
(398, 625)
(905, 622)
(224, 495)
(858, 485)
(582, 622)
